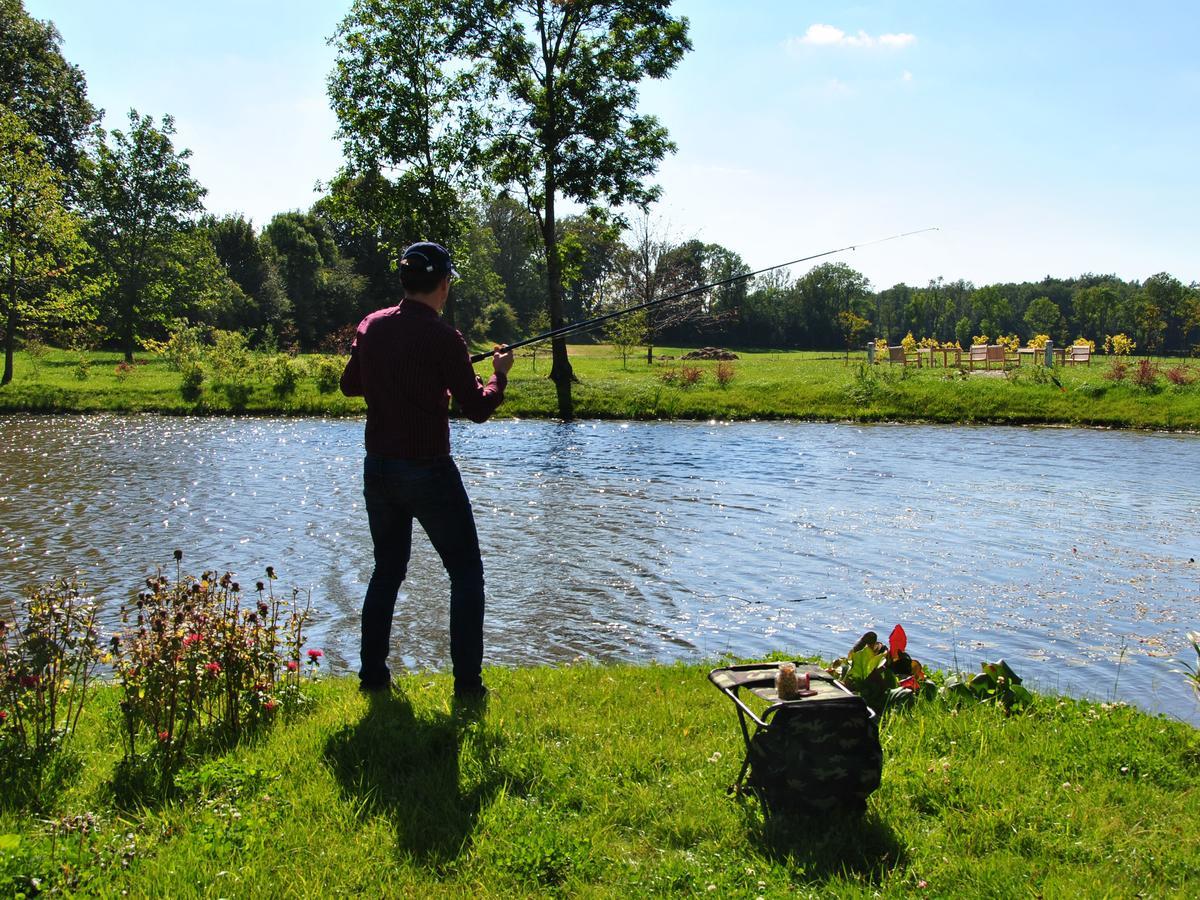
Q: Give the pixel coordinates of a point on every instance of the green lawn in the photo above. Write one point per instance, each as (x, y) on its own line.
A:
(611, 782)
(764, 385)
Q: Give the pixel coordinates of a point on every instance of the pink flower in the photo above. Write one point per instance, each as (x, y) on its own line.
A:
(271, 705)
(314, 654)
(191, 639)
(213, 668)
(292, 665)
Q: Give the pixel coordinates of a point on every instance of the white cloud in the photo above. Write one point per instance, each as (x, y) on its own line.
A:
(820, 35)
(907, 76)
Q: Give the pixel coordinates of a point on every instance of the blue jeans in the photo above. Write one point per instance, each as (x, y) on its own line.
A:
(430, 491)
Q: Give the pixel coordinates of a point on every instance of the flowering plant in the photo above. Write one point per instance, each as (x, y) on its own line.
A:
(882, 673)
(199, 662)
(979, 339)
(1081, 341)
(909, 343)
(1010, 343)
(1118, 344)
(1038, 341)
(48, 654)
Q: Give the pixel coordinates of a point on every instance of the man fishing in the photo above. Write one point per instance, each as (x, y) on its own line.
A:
(406, 362)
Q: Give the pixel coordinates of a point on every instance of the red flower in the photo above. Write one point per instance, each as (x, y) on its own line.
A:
(213, 668)
(897, 641)
(193, 638)
(271, 705)
(3, 715)
(314, 654)
(29, 681)
(163, 737)
(292, 665)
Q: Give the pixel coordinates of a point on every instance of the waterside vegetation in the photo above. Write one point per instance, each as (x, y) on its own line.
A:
(1117, 392)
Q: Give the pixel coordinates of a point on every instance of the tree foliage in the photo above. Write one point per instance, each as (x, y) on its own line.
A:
(139, 197)
(43, 89)
(40, 241)
(568, 75)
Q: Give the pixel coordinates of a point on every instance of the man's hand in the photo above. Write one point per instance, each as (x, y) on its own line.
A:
(502, 360)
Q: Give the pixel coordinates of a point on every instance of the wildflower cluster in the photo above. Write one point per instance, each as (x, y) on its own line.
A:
(198, 660)
(46, 661)
(48, 652)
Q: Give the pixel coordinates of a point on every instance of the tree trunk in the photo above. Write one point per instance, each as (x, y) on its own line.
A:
(560, 372)
(10, 327)
(127, 326)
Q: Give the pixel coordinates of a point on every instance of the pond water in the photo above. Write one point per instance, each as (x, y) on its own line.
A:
(1069, 552)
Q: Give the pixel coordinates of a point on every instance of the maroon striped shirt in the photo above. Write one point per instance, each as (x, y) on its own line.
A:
(407, 363)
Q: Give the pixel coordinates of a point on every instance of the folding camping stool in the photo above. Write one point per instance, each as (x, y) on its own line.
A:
(818, 753)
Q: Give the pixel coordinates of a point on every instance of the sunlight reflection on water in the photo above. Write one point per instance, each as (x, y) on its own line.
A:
(1066, 551)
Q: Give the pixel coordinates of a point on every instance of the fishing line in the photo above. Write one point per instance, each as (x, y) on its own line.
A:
(588, 324)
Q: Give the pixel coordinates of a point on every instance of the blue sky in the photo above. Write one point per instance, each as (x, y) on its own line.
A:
(1040, 137)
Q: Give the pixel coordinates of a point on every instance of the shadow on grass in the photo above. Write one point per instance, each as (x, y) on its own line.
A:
(407, 769)
(862, 847)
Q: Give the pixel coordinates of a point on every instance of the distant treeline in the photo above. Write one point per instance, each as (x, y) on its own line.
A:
(104, 239)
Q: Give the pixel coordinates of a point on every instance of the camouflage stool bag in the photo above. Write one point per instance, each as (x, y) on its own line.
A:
(816, 753)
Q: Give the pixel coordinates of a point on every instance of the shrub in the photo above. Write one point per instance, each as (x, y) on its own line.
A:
(337, 342)
(1145, 374)
(724, 373)
(35, 349)
(1039, 341)
(1118, 345)
(690, 375)
(284, 373)
(329, 373)
(1010, 343)
(1180, 375)
(232, 371)
(183, 346)
(1117, 370)
(83, 367)
(122, 371)
(669, 376)
(192, 385)
(1084, 342)
(909, 343)
(980, 339)
(881, 349)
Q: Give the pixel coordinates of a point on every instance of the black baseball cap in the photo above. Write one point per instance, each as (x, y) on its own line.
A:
(425, 256)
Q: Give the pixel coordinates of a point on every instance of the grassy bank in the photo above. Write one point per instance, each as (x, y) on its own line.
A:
(610, 781)
(793, 385)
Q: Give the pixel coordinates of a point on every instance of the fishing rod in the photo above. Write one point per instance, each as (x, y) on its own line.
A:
(588, 324)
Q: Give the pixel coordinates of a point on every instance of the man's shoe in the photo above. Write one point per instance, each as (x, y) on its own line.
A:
(375, 687)
(476, 694)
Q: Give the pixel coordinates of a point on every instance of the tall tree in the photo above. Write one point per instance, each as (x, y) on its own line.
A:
(139, 197)
(408, 96)
(569, 75)
(244, 259)
(41, 87)
(40, 240)
(518, 260)
(1044, 317)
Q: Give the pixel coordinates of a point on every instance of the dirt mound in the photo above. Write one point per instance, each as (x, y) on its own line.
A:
(710, 353)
